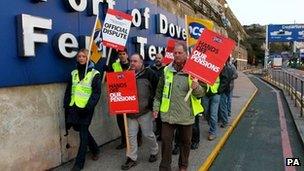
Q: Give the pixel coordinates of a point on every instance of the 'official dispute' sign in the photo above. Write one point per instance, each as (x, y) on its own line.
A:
(209, 56)
(116, 29)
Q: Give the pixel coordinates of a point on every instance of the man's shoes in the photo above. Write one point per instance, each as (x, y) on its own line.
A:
(75, 168)
(211, 137)
(175, 151)
(194, 146)
(121, 146)
(129, 163)
(152, 158)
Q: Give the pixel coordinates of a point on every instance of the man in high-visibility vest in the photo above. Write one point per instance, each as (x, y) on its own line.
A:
(175, 113)
(121, 64)
(81, 96)
(211, 103)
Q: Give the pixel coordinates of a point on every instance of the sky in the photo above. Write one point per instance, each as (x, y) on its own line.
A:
(268, 11)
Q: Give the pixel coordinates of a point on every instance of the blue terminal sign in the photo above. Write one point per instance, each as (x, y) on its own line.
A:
(39, 38)
(286, 33)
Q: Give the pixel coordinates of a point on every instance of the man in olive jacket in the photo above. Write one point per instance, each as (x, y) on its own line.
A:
(175, 113)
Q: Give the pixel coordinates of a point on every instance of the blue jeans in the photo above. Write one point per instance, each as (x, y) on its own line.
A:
(229, 103)
(223, 108)
(211, 105)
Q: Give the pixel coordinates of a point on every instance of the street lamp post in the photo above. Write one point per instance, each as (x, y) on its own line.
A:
(266, 48)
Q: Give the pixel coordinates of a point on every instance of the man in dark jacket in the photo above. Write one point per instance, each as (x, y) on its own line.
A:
(122, 64)
(234, 76)
(226, 77)
(146, 81)
(81, 96)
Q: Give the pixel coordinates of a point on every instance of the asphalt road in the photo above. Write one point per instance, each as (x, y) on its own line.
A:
(259, 142)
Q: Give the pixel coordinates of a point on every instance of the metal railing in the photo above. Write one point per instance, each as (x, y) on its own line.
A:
(289, 82)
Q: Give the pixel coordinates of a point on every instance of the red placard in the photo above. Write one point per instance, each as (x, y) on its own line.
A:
(209, 56)
(169, 52)
(122, 92)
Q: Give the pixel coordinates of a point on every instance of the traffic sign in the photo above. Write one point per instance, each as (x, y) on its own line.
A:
(285, 33)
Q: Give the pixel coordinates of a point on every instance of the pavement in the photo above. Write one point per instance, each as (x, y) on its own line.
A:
(200, 159)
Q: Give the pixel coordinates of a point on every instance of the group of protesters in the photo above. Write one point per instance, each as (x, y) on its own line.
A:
(161, 90)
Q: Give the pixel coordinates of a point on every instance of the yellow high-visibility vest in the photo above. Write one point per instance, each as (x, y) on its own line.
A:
(81, 90)
(196, 106)
(215, 86)
(116, 66)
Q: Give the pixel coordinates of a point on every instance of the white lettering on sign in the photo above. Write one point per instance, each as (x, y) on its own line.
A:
(81, 6)
(136, 20)
(201, 58)
(140, 45)
(67, 45)
(117, 97)
(141, 18)
(152, 52)
(170, 29)
(28, 27)
(162, 24)
(293, 26)
(147, 17)
(31, 30)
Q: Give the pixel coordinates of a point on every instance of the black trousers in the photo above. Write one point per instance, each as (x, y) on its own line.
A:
(185, 133)
(121, 126)
(158, 126)
(196, 130)
(86, 139)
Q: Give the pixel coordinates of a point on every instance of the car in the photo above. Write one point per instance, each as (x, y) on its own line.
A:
(281, 33)
(301, 33)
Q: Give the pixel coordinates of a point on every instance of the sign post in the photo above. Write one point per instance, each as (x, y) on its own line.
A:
(122, 96)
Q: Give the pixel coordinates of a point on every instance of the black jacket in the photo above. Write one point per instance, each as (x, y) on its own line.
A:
(146, 81)
(226, 76)
(75, 115)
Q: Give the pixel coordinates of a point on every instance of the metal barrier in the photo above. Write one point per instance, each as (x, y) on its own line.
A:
(287, 81)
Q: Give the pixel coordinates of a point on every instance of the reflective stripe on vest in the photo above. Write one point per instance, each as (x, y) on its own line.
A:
(196, 106)
(81, 90)
(215, 86)
(116, 66)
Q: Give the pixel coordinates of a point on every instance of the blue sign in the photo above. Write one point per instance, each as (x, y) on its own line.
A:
(59, 22)
(286, 33)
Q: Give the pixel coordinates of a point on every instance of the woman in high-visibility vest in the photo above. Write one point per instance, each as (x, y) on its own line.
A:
(81, 96)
